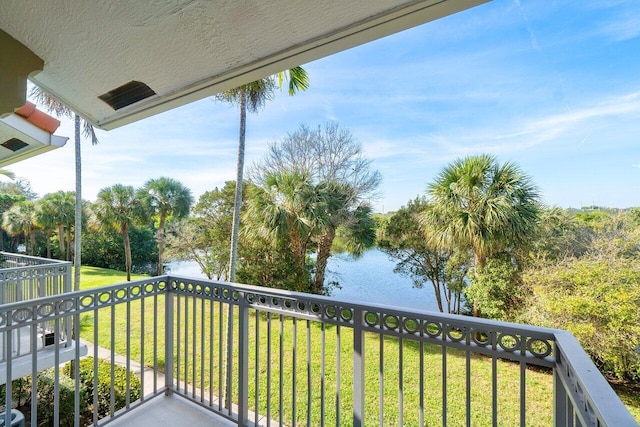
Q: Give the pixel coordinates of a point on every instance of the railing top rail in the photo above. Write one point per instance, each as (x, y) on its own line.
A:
(32, 260)
(475, 323)
(600, 403)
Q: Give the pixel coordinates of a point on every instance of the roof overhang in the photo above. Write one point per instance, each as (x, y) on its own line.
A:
(27, 133)
(181, 50)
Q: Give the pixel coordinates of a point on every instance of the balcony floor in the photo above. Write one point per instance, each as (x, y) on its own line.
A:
(170, 411)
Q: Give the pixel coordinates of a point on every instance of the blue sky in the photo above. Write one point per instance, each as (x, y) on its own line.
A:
(551, 85)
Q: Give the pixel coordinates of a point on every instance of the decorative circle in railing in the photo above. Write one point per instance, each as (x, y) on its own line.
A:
(104, 297)
(371, 318)
(249, 298)
(66, 305)
(315, 308)
(120, 294)
(21, 315)
(411, 325)
(262, 299)
(86, 301)
(275, 301)
(390, 321)
(161, 286)
(235, 295)
(226, 293)
(135, 290)
(288, 304)
(330, 311)
(539, 348)
(11, 276)
(216, 292)
(509, 342)
(432, 329)
(480, 337)
(149, 287)
(45, 310)
(455, 333)
(346, 314)
(206, 290)
(301, 306)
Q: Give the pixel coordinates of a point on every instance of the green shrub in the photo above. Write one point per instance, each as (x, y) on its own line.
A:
(597, 300)
(46, 384)
(86, 372)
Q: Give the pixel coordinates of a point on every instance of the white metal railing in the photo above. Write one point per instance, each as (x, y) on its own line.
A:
(23, 278)
(261, 356)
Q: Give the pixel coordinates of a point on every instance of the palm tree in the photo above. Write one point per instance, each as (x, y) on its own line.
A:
(283, 209)
(60, 206)
(252, 97)
(118, 207)
(165, 198)
(7, 173)
(19, 220)
(81, 127)
(483, 206)
(46, 220)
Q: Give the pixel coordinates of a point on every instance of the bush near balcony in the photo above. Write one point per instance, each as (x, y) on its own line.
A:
(46, 383)
(86, 373)
(597, 299)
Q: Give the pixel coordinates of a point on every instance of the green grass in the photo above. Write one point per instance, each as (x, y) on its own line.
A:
(209, 323)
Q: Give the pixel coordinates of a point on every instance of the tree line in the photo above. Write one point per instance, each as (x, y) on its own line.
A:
(483, 242)
(479, 238)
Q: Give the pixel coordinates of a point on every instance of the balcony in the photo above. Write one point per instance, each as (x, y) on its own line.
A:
(225, 354)
(24, 278)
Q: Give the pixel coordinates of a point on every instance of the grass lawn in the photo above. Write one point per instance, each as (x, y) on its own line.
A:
(201, 351)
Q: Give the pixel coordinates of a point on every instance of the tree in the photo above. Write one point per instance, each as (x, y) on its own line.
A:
(205, 236)
(118, 207)
(165, 198)
(81, 127)
(559, 235)
(282, 209)
(252, 97)
(406, 242)
(60, 208)
(482, 205)
(20, 220)
(334, 162)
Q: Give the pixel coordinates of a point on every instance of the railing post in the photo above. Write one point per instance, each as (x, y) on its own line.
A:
(358, 368)
(243, 361)
(559, 401)
(168, 338)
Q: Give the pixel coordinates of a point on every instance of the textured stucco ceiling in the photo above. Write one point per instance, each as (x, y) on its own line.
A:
(188, 49)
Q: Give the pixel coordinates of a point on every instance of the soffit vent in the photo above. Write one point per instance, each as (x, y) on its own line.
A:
(127, 94)
(14, 144)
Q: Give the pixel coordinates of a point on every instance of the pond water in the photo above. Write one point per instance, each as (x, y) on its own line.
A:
(369, 278)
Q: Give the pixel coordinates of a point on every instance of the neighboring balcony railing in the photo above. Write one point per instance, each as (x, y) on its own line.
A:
(24, 278)
(260, 356)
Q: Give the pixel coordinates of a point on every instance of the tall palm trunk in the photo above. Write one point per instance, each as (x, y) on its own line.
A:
(235, 229)
(32, 240)
(78, 210)
(324, 252)
(49, 244)
(160, 239)
(61, 241)
(479, 261)
(68, 237)
(127, 251)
